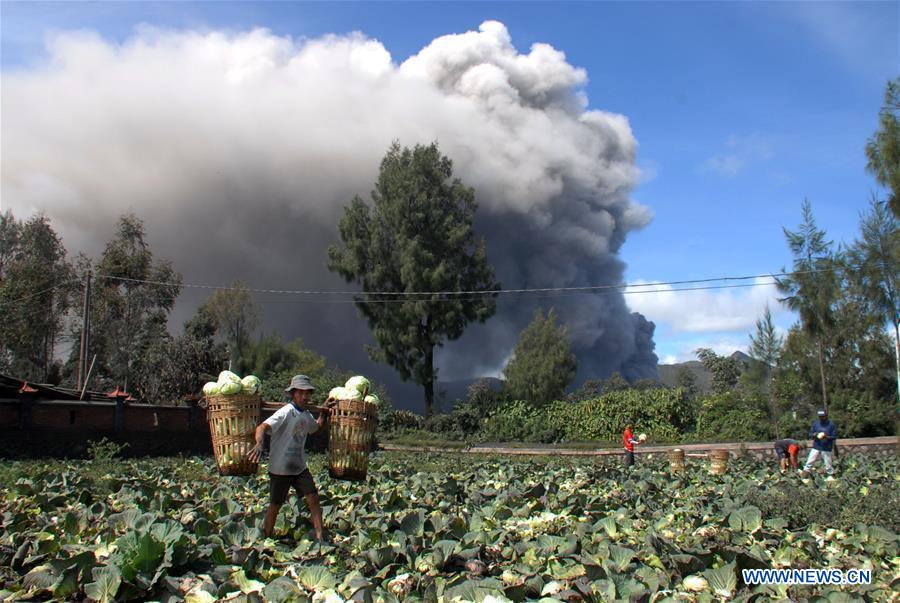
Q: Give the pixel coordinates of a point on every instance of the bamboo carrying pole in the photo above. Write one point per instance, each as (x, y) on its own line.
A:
(88, 378)
(85, 343)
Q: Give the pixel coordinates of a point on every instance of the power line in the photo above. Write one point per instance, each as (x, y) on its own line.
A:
(623, 288)
(48, 290)
(473, 292)
(556, 295)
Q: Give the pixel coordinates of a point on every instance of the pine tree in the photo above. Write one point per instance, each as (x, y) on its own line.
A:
(874, 259)
(765, 348)
(417, 239)
(883, 149)
(687, 380)
(811, 288)
(543, 364)
(724, 370)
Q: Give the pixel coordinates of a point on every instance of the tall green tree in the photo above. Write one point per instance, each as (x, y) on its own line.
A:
(237, 316)
(765, 348)
(271, 355)
(543, 364)
(811, 288)
(35, 294)
(859, 356)
(10, 231)
(874, 260)
(129, 308)
(173, 368)
(687, 380)
(883, 148)
(417, 239)
(724, 370)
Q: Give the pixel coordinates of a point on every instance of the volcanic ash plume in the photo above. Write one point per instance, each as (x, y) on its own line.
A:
(239, 150)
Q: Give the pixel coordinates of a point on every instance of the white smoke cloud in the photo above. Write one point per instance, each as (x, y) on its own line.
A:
(239, 150)
(706, 310)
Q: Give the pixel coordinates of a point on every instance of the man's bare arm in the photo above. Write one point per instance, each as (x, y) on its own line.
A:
(321, 419)
(256, 454)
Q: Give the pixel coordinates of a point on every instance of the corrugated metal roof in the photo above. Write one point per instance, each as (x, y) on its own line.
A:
(12, 387)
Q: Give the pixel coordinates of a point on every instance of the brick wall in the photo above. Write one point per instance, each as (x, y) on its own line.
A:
(71, 415)
(62, 428)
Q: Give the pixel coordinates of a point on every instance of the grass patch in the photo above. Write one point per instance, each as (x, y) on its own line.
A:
(423, 439)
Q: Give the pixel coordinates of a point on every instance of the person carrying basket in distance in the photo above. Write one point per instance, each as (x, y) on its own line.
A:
(288, 428)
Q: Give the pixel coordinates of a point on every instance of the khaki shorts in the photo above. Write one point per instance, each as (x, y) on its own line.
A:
(280, 486)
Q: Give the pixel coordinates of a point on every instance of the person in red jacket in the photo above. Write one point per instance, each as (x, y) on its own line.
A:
(630, 441)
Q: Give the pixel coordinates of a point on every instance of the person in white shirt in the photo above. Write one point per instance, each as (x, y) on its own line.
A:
(288, 428)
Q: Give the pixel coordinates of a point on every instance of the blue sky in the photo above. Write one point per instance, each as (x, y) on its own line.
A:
(741, 111)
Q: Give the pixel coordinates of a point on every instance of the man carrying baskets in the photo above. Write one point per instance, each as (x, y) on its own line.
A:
(288, 428)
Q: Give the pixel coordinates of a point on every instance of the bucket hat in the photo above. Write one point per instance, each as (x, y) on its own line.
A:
(299, 382)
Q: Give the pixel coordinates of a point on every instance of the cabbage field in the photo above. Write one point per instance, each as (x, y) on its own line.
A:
(444, 528)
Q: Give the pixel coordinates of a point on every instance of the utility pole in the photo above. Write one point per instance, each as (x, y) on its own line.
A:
(85, 332)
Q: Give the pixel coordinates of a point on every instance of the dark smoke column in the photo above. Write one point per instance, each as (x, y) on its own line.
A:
(554, 186)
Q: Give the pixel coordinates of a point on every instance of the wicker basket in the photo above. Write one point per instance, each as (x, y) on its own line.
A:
(232, 423)
(350, 439)
(719, 462)
(676, 460)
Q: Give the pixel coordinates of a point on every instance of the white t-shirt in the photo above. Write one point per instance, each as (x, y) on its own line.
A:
(289, 430)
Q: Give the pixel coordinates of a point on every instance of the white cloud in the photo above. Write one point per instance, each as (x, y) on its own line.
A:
(682, 349)
(724, 165)
(742, 151)
(704, 311)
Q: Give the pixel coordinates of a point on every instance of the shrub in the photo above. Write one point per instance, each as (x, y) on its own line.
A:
(662, 412)
(443, 424)
(392, 421)
(589, 390)
(862, 414)
(484, 397)
(463, 422)
(469, 417)
(520, 421)
(730, 417)
(104, 450)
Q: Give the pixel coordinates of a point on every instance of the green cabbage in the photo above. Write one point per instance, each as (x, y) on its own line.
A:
(228, 377)
(211, 389)
(372, 398)
(344, 393)
(251, 384)
(231, 388)
(352, 394)
(360, 384)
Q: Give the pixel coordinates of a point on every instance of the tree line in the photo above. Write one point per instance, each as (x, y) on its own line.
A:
(415, 237)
